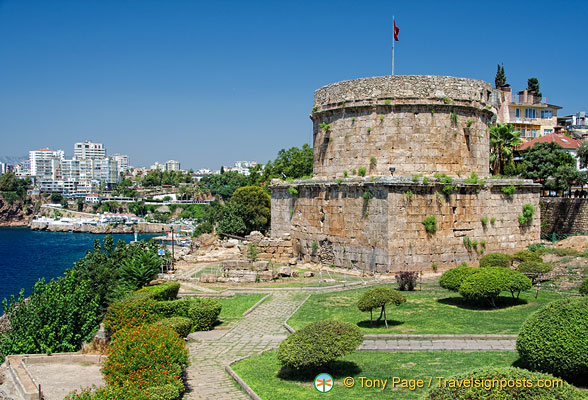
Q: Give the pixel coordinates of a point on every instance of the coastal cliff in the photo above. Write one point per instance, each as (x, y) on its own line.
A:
(101, 228)
(15, 213)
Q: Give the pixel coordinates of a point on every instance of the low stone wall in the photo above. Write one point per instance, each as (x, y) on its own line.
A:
(336, 222)
(564, 215)
(278, 248)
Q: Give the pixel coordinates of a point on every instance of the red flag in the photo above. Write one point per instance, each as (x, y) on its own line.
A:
(396, 30)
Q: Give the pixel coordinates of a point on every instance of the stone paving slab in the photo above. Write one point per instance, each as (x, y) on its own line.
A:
(437, 345)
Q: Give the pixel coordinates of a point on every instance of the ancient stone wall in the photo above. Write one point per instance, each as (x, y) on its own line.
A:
(414, 124)
(564, 215)
(336, 222)
(278, 249)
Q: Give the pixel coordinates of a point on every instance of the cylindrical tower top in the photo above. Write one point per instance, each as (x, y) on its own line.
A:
(406, 125)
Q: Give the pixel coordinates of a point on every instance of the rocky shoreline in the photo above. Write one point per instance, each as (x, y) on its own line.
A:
(101, 228)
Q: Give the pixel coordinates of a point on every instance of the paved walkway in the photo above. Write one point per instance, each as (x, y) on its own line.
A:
(210, 351)
(454, 344)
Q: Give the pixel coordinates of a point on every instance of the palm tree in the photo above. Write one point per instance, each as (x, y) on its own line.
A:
(503, 140)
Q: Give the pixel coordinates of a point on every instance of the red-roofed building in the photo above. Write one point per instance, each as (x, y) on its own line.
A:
(566, 143)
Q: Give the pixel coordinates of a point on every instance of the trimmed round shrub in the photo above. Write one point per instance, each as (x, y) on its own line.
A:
(181, 325)
(495, 260)
(515, 282)
(534, 269)
(553, 339)
(490, 382)
(174, 308)
(454, 277)
(379, 298)
(319, 343)
(484, 285)
(584, 288)
(204, 313)
(525, 256)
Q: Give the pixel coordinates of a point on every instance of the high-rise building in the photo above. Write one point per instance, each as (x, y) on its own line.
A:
(89, 150)
(122, 162)
(105, 171)
(45, 163)
(158, 166)
(172, 165)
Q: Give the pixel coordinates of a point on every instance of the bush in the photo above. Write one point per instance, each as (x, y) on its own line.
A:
(484, 285)
(533, 269)
(379, 298)
(130, 312)
(407, 280)
(361, 171)
(491, 378)
(145, 357)
(515, 282)
(553, 339)
(164, 291)
(319, 343)
(181, 325)
(454, 277)
(526, 255)
(584, 288)
(204, 314)
(173, 308)
(495, 260)
(430, 224)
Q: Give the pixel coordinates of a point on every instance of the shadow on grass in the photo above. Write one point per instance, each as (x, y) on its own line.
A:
(369, 324)
(337, 369)
(501, 302)
(579, 382)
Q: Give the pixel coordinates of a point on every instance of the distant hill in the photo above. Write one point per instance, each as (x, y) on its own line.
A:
(12, 160)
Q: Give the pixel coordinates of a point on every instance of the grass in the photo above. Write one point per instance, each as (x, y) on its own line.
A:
(264, 375)
(432, 310)
(234, 307)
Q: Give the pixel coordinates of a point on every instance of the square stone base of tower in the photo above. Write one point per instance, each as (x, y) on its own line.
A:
(376, 224)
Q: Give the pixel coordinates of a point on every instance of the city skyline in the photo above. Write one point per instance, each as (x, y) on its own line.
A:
(209, 83)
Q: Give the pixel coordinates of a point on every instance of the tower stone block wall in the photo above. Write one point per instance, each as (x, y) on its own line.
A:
(403, 130)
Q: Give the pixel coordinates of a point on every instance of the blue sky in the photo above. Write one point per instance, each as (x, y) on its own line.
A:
(211, 82)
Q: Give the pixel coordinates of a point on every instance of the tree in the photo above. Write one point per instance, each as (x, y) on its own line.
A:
(56, 198)
(292, 163)
(533, 88)
(224, 185)
(500, 79)
(582, 154)
(253, 206)
(565, 176)
(543, 160)
(231, 221)
(503, 140)
(379, 298)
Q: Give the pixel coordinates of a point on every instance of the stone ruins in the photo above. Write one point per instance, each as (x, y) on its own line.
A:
(389, 153)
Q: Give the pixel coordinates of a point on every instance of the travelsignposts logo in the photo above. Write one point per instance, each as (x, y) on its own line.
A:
(323, 383)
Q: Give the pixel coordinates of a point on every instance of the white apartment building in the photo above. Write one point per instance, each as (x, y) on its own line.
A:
(89, 150)
(122, 162)
(45, 163)
(23, 168)
(157, 166)
(105, 171)
(172, 165)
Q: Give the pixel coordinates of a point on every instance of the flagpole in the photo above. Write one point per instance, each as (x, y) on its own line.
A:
(393, 47)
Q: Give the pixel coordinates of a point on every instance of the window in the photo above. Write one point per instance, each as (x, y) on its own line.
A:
(547, 131)
(517, 113)
(530, 113)
(546, 114)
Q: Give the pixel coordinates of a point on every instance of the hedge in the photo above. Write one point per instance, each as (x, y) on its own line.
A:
(454, 277)
(129, 313)
(319, 343)
(495, 260)
(204, 313)
(488, 381)
(164, 291)
(554, 339)
(181, 325)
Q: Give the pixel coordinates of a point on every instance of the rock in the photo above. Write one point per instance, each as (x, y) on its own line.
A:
(261, 265)
(285, 271)
(208, 278)
(308, 274)
(293, 261)
(254, 237)
(329, 281)
(230, 243)
(236, 264)
(222, 279)
(206, 241)
(265, 276)
(295, 273)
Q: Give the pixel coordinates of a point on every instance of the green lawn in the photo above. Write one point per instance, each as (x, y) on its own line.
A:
(234, 307)
(264, 375)
(431, 310)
